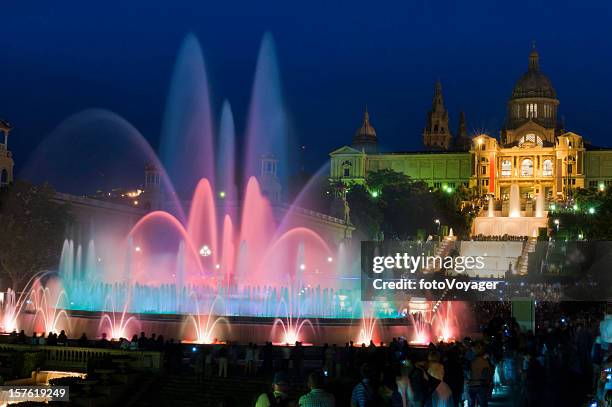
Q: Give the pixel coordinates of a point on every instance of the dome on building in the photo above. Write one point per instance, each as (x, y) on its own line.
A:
(366, 135)
(533, 83)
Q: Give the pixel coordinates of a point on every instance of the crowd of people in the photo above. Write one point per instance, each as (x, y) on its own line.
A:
(499, 238)
(142, 342)
(561, 362)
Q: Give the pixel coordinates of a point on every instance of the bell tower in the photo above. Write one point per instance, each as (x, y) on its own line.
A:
(6, 158)
(436, 134)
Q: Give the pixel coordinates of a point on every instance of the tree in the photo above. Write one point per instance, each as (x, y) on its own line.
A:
(589, 215)
(393, 206)
(32, 230)
(365, 213)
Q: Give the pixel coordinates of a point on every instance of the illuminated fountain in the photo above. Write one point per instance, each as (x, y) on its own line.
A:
(367, 330)
(217, 248)
(445, 323)
(10, 310)
(514, 205)
(118, 322)
(516, 223)
(49, 304)
(205, 325)
(539, 212)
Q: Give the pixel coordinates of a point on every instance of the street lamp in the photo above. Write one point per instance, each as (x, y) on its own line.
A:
(205, 251)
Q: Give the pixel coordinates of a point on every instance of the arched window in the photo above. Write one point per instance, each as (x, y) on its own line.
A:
(4, 177)
(530, 138)
(527, 168)
(547, 168)
(531, 110)
(506, 168)
(346, 168)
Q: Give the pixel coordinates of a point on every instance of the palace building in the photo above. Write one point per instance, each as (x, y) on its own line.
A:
(533, 149)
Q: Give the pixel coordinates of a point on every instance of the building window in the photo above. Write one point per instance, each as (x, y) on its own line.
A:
(506, 168)
(547, 168)
(346, 168)
(437, 185)
(547, 111)
(483, 170)
(531, 138)
(527, 168)
(531, 110)
(3, 177)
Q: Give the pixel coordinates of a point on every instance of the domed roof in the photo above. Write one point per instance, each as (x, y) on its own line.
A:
(533, 83)
(366, 133)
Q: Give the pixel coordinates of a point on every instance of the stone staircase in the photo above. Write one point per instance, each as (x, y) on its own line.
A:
(522, 265)
(443, 250)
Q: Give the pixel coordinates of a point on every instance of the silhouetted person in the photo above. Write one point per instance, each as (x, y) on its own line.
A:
(62, 339)
(83, 342)
(104, 343)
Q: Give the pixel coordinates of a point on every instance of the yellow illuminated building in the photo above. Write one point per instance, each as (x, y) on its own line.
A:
(533, 150)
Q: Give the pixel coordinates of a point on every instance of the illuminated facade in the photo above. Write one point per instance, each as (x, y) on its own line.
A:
(533, 150)
(6, 158)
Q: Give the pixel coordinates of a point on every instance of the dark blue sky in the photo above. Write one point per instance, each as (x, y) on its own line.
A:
(335, 56)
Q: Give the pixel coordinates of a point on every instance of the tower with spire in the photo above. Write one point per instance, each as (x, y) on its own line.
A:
(436, 134)
(365, 137)
(6, 158)
(462, 139)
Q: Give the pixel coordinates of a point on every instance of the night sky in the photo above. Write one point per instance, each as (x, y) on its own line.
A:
(335, 56)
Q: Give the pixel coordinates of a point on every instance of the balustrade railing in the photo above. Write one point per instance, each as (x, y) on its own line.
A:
(76, 358)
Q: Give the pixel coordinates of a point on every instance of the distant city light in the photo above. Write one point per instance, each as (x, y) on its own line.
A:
(217, 266)
(374, 194)
(137, 248)
(135, 202)
(591, 210)
(553, 207)
(222, 194)
(602, 186)
(329, 259)
(575, 207)
(132, 194)
(580, 236)
(205, 251)
(302, 266)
